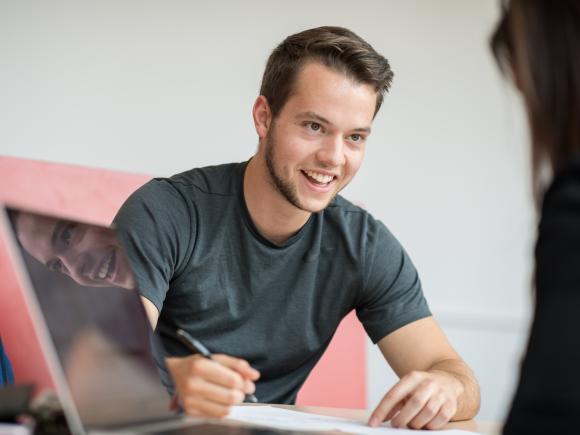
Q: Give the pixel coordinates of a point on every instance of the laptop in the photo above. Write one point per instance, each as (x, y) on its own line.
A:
(93, 329)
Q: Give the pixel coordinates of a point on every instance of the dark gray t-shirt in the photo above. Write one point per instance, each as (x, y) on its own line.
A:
(198, 257)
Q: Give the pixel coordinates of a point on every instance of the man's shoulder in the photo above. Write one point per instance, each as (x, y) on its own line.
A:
(355, 223)
(564, 192)
(343, 210)
(183, 190)
(220, 180)
(224, 179)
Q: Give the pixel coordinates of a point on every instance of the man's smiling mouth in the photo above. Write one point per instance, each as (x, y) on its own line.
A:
(318, 178)
(107, 267)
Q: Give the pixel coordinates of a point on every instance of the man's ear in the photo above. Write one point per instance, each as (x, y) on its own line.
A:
(262, 116)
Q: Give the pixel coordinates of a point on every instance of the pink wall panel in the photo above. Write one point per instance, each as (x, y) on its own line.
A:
(94, 195)
(339, 378)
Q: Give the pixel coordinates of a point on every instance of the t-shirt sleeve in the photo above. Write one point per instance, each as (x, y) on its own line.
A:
(154, 226)
(391, 295)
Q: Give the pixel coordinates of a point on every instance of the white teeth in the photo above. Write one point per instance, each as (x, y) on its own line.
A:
(321, 178)
(104, 268)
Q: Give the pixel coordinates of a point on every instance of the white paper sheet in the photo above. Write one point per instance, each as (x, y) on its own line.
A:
(13, 429)
(286, 419)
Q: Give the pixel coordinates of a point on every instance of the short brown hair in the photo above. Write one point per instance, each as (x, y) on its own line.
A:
(335, 47)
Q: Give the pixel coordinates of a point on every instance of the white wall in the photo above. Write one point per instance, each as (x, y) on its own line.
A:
(159, 87)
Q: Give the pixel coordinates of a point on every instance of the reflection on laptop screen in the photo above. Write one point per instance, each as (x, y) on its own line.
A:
(85, 290)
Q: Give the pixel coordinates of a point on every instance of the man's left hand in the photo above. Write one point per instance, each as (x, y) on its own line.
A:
(420, 400)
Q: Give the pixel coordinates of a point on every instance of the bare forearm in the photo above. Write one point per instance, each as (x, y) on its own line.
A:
(468, 399)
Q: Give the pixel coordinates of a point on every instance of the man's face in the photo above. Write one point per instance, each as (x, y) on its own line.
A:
(89, 255)
(316, 144)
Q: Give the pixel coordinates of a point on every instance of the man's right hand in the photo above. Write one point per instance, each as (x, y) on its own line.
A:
(209, 388)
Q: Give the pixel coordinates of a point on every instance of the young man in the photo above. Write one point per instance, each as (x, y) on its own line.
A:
(261, 260)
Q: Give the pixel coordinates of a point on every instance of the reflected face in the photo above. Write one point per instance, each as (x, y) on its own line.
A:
(316, 144)
(90, 255)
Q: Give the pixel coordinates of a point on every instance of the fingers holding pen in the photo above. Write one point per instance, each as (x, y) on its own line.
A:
(209, 387)
(242, 367)
(238, 364)
(200, 388)
(212, 370)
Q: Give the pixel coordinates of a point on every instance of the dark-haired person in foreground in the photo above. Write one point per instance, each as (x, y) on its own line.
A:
(538, 42)
(262, 259)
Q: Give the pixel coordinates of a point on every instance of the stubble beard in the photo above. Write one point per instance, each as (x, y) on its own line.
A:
(284, 187)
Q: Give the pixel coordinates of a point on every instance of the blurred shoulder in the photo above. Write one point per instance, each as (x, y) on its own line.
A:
(563, 195)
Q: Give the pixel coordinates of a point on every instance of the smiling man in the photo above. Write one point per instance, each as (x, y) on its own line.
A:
(261, 260)
(89, 254)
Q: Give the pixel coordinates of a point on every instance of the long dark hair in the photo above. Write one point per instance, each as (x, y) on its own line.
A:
(537, 42)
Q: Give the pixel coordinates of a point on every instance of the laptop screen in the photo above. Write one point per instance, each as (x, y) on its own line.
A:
(86, 293)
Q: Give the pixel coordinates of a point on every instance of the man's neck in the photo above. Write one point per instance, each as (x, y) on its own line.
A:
(274, 217)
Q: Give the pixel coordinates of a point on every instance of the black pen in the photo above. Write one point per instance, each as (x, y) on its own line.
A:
(196, 347)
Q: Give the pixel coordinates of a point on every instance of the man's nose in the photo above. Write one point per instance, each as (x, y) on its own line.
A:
(332, 152)
(75, 264)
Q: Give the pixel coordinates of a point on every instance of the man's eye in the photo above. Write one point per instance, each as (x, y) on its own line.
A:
(67, 234)
(355, 137)
(315, 126)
